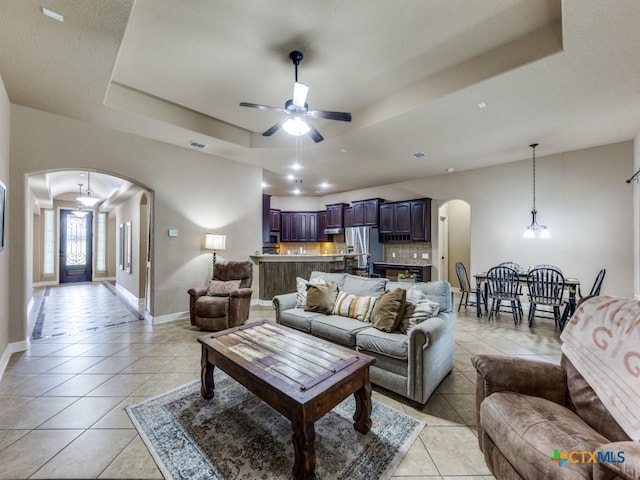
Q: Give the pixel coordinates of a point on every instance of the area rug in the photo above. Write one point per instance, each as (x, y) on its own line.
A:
(237, 436)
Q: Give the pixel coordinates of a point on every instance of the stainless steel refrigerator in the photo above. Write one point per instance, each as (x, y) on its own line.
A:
(365, 242)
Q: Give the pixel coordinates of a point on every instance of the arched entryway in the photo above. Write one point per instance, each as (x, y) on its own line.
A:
(454, 238)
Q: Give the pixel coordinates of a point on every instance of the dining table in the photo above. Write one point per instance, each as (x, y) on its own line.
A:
(482, 290)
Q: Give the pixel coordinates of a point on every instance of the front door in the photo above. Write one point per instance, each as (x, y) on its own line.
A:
(75, 247)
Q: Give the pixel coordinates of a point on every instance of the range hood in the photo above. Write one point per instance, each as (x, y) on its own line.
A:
(333, 231)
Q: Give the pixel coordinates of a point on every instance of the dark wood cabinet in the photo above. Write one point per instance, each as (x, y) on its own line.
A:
(348, 217)
(322, 224)
(365, 212)
(408, 221)
(421, 220)
(266, 225)
(335, 215)
(299, 227)
(274, 220)
(285, 226)
(386, 219)
(312, 227)
(402, 218)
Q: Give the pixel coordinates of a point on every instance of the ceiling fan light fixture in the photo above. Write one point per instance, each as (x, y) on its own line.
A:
(300, 91)
(296, 127)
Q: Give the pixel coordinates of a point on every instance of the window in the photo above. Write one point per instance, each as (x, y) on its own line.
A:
(101, 243)
(49, 242)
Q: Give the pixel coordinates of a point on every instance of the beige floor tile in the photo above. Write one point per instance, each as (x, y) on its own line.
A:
(137, 350)
(40, 384)
(150, 365)
(113, 364)
(135, 461)
(78, 386)
(464, 405)
(163, 382)
(29, 453)
(456, 383)
(43, 349)
(121, 385)
(35, 364)
(74, 350)
(83, 413)
(11, 382)
(88, 455)
(437, 411)
(7, 437)
(76, 365)
(416, 462)
(480, 348)
(462, 363)
(33, 412)
(118, 417)
(104, 350)
(454, 450)
(184, 363)
(469, 477)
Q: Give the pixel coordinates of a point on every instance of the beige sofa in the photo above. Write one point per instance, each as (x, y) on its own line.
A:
(410, 365)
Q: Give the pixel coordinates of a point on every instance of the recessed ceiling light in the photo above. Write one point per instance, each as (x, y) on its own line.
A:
(343, 150)
(419, 154)
(450, 170)
(482, 105)
(264, 185)
(290, 176)
(297, 191)
(52, 14)
(324, 185)
(296, 166)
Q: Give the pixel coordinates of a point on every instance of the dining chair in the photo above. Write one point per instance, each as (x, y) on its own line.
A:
(547, 265)
(503, 285)
(465, 286)
(546, 288)
(597, 284)
(514, 265)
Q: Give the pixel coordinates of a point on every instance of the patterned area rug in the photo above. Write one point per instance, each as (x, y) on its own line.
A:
(237, 436)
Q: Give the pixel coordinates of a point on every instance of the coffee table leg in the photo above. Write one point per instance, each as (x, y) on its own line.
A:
(304, 445)
(362, 417)
(206, 376)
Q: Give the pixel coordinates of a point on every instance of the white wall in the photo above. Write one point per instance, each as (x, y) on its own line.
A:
(5, 117)
(193, 192)
(582, 196)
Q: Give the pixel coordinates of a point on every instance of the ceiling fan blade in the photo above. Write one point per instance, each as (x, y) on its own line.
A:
(274, 129)
(263, 107)
(315, 134)
(300, 91)
(341, 116)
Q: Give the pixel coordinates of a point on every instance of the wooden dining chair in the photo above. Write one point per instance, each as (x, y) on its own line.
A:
(514, 265)
(597, 285)
(546, 288)
(503, 283)
(465, 287)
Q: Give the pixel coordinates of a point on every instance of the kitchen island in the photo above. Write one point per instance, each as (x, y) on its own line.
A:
(278, 272)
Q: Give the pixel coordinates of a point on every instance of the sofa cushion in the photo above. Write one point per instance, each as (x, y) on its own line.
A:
(388, 310)
(337, 329)
(212, 306)
(392, 344)
(417, 309)
(337, 278)
(527, 430)
(219, 288)
(321, 298)
(364, 286)
(301, 289)
(352, 306)
(439, 292)
(298, 318)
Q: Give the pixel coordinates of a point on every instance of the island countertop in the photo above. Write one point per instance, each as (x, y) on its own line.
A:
(328, 257)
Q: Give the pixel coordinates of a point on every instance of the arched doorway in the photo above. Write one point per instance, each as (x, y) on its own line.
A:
(454, 238)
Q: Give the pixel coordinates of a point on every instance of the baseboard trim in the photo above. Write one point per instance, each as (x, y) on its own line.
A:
(12, 348)
(48, 283)
(168, 318)
(130, 298)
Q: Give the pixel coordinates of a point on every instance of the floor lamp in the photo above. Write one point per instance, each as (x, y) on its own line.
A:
(214, 241)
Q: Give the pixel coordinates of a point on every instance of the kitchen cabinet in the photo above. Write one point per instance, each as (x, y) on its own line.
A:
(335, 215)
(365, 212)
(298, 226)
(322, 224)
(348, 217)
(274, 220)
(407, 221)
(266, 225)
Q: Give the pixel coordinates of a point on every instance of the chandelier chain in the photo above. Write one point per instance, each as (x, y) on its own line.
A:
(533, 146)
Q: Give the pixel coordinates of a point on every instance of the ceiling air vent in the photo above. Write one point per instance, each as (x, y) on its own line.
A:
(199, 145)
(419, 154)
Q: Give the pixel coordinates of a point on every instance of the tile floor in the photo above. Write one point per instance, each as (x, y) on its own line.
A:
(62, 402)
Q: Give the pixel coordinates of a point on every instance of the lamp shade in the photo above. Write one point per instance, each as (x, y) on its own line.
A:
(215, 241)
(88, 201)
(296, 126)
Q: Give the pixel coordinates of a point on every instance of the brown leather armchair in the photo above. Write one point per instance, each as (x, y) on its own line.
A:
(221, 312)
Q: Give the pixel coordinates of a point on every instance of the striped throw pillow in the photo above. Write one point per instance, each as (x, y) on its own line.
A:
(352, 306)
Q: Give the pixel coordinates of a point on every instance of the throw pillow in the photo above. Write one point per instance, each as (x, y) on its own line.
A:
(301, 290)
(388, 310)
(417, 310)
(321, 298)
(218, 288)
(352, 306)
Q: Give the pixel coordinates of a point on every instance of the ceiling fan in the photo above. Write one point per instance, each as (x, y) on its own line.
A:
(297, 110)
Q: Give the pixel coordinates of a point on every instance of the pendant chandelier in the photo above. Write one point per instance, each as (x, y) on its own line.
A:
(88, 200)
(534, 229)
(79, 212)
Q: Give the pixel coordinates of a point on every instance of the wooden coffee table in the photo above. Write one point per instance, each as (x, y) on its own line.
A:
(301, 376)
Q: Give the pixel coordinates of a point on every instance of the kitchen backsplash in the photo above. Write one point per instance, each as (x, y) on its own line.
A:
(311, 248)
(407, 253)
